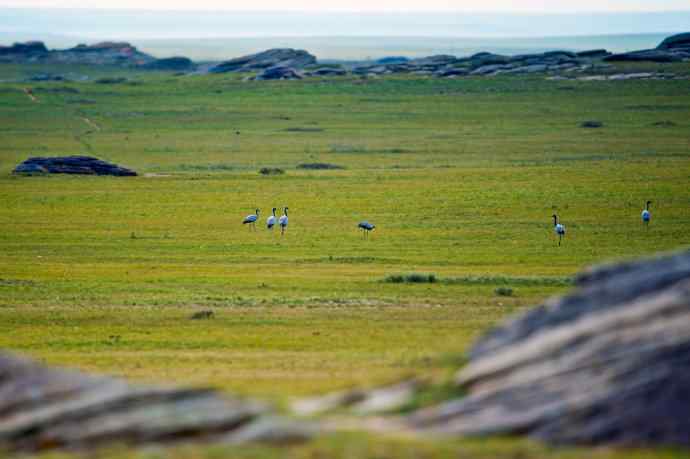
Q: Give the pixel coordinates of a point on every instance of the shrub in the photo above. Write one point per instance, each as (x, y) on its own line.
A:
(202, 315)
(304, 129)
(592, 124)
(412, 278)
(271, 171)
(504, 291)
(111, 80)
(319, 166)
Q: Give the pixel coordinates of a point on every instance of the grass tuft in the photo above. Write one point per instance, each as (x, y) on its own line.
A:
(504, 291)
(319, 166)
(271, 171)
(412, 278)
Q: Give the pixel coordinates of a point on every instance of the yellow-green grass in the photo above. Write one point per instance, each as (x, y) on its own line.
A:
(460, 176)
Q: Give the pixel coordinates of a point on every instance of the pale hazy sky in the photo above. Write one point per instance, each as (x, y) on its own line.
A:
(546, 6)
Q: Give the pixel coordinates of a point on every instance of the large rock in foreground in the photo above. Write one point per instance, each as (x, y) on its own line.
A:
(82, 165)
(606, 364)
(45, 408)
(279, 57)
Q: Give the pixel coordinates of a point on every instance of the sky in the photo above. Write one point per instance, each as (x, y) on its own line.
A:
(525, 6)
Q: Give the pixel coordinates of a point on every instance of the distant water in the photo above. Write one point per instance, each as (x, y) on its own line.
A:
(219, 35)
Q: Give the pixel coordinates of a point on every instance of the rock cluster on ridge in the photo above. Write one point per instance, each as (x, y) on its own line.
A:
(79, 165)
(279, 57)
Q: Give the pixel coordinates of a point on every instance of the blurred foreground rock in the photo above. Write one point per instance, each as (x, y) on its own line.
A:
(606, 364)
(80, 165)
(45, 408)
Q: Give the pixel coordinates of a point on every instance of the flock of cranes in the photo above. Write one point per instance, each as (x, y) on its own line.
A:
(560, 228)
(270, 221)
(367, 227)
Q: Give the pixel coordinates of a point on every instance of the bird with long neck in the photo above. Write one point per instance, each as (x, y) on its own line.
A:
(366, 227)
(283, 221)
(251, 220)
(646, 215)
(271, 221)
(559, 229)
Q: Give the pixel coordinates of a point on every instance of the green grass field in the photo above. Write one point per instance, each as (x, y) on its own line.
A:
(461, 178)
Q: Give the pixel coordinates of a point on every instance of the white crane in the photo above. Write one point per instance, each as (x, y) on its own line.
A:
(251, 220)
(283, 221)
(646, 215)
(271, 221)
(366, 227)
(558, 228)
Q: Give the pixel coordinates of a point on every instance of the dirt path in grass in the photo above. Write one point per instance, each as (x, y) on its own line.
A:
(91, 123)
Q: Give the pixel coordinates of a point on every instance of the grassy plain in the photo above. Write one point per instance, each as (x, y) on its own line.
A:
(460, 176)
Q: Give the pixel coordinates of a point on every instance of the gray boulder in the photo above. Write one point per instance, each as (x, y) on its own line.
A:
(121, 54)
(326, 71)
(451, 72)
(279, 73)
(179, 64)
(484, 59)
(680, 41)
(45, 408)
(279, 57)
(648, 55)
(489, 69)
(594, 54)
(606, 364)
(435, 60)
(80, 165)
(27, 48)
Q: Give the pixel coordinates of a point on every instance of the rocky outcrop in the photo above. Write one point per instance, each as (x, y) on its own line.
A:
(606, 364)
(594, 53)
(676, 42)
(326, 71)
(649, 55)
(280, 57)
(178, 64)
(30, 51)
(45, 408)
(278, 73)
(105, 53)
(673, 49)
(80, 165)
(485, 64)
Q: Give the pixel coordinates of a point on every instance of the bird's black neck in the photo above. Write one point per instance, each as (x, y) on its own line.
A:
(555, 220)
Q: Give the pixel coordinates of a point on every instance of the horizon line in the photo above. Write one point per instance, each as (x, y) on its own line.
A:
(344, 11)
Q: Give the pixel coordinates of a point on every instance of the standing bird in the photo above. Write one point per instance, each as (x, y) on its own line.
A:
(271, 221)
(251, 219)
(560, 229)
(646, 215)
(366, 227)
(283, 221)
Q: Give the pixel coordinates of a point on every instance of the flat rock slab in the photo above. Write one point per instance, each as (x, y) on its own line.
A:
(80, 165)
(607, 364)
(46, 408)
